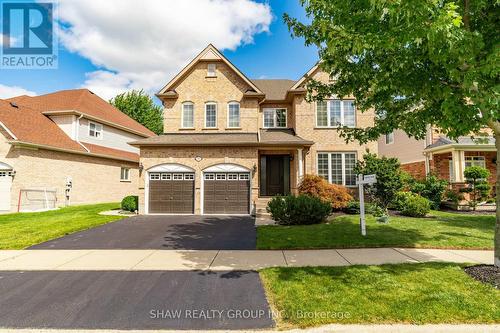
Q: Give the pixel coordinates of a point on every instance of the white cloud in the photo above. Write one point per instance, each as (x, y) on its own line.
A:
(144, 44)
(13, 91)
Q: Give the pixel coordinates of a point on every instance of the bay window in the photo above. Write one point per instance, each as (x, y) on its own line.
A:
(337, 167)
(335, 112)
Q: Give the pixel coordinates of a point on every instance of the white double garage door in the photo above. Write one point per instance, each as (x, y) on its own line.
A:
(225, 189)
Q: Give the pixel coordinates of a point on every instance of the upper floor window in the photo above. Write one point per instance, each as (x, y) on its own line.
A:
(210, 115)
(274, 118)
(187, 115)
(211, 70)
(335, 112)
(389, 138)
(95, 130)
(233, 114)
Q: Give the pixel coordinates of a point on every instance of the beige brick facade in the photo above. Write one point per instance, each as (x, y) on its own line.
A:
(94, 179)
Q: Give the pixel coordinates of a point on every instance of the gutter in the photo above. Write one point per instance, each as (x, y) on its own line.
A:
(8, 130)
(34, 145)
(77, 134)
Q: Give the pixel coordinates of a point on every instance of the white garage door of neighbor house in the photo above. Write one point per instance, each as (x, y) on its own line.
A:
(5, 186)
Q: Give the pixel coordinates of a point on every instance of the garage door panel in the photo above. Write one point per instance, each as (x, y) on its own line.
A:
(226, 196)
(167, 196)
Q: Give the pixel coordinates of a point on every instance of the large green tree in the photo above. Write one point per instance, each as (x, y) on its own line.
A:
(416, 62)
(141, 107)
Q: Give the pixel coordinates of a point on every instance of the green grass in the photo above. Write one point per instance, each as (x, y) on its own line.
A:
(442, 230)
(21, 230)
(407, 293)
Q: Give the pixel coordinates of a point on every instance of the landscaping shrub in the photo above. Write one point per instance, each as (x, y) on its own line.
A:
(390, 178)
(353, 208)
(400, 198)
(454, 196)
(298, 210)
(431, 188)
(130, 203)
(315, 186)
(416, 206)
(478, 187)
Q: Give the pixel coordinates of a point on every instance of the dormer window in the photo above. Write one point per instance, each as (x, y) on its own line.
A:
(95, 130)
(211, 71)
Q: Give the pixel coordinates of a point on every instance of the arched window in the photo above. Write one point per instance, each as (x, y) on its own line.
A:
(233, 115)
(187, 115)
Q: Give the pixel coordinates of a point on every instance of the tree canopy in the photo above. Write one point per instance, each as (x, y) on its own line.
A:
(416, 62)
(141, 107)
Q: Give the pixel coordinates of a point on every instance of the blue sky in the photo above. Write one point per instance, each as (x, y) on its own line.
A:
(271, 54)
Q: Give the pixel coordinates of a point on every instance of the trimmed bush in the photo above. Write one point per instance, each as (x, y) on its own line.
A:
(416, 206)
(298, 210)
(130, 203)
(400, 199)
(353, 208)
(315, 186)
(431, 188)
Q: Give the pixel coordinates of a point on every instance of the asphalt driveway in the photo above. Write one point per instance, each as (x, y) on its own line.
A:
(133, 300)
(186, 232)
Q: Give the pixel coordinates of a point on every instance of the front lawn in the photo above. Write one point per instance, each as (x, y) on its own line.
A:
(443, 230)
(21, 230)
(430, 293)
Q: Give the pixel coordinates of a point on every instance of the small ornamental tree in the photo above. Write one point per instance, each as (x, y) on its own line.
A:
(315, 186)
(478, 187)
(431, 188)
(389, 178)
(414, 62)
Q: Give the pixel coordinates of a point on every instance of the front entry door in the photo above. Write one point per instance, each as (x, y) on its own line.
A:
(275, 175)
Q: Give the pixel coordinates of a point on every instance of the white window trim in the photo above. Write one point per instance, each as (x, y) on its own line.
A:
(216, 115)
(342, 114)
(274, 117)
(95, 126)
(182, 114)
(214, 73)
(474, 159)
(329, 153)
(239, 114)
(121, 174)
(391, 137)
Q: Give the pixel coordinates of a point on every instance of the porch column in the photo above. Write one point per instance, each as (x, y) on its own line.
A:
(300, 160)
(458, 160)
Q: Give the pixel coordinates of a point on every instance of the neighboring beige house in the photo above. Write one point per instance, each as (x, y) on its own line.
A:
(440, 155)
(231, 142)
(68, 147)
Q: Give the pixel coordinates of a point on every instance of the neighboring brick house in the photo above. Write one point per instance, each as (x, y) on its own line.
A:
(68, 147)
(231, 142)
(440, 155)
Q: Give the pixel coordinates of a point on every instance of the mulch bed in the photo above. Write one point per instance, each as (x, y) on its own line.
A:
(485, 274)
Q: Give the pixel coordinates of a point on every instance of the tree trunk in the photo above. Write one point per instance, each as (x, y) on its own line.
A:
(497, 190)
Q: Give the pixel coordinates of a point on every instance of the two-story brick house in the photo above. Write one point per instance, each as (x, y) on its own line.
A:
(230, 142)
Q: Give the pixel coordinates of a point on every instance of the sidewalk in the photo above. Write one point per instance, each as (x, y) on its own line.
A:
(183, 260)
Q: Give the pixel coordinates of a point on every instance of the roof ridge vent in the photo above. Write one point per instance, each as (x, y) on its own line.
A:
(14, 105)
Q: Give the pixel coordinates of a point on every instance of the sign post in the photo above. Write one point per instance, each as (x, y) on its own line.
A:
(362, 180)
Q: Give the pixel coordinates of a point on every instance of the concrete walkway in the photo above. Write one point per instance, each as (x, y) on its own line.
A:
(222, 260)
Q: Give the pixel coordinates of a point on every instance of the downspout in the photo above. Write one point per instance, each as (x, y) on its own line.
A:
(77, 134)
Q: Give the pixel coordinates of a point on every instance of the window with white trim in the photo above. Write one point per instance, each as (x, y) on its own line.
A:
(209, 176)
(4, 173)
(178, 176)
(335, 112)
(220, 176)
(124, 174)
(166, 176)
(232, 176)
(211, 70)
(210, 115)
(244, 176)
(233, 114)
(95, 130)
(274, 118)
(187, 115)
(154, 176)
(389, 138)
(188, 176)
(337, 167)
(475, 161)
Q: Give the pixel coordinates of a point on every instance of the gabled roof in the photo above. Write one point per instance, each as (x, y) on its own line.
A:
(27, 127)
(275, 89)
(82, 101)
(479, 142)
(209, 53)
(305, 77)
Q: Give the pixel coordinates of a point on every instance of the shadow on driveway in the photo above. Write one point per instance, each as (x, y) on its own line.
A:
(164, 232)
